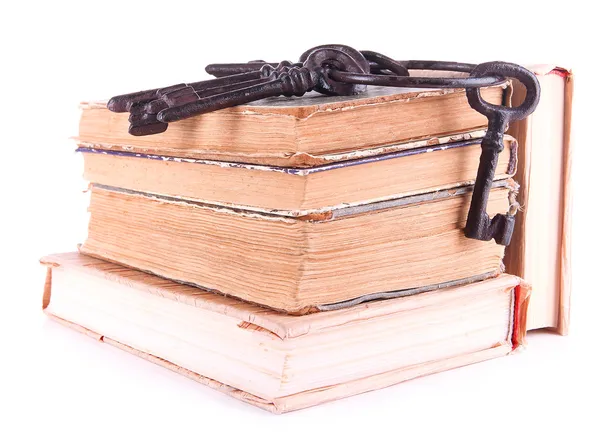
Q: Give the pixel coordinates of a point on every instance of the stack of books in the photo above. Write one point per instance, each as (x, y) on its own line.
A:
(294, 251)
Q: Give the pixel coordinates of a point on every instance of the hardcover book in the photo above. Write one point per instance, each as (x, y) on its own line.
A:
(297, 132)
(298, 264)
(378, 175)
(540, 251)
(277, 361)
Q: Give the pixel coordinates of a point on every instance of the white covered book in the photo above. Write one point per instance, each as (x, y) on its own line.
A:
(277, 361)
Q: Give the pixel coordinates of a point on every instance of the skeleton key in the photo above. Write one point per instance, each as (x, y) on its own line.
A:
(284, 80)
(479, 226)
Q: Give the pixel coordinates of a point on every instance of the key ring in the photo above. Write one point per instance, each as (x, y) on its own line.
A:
(341, 70)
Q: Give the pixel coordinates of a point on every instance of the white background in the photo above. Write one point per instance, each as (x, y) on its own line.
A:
(55, 54)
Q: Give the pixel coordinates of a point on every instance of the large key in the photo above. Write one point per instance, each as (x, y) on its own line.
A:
(479, 225)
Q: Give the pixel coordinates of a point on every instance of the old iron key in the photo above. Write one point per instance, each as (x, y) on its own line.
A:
(283, 80)
(479, 225)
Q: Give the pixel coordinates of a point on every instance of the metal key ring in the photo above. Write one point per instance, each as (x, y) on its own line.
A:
(403, 80)
(414, 81)
(341, 58)
(385, 63)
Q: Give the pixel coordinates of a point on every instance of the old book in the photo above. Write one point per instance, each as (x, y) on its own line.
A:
(540, 251)
(297, 132)
(298, 264)
(376, 176)
(281, 362)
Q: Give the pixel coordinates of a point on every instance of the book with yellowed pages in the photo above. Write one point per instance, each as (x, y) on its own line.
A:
(321, 261)
(378, 175)
(540, 250)
(281, 362)
(298, 132)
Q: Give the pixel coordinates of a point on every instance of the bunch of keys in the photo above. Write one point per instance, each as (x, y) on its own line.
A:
(339, 70)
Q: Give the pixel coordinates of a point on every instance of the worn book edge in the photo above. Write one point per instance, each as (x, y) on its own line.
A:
(284, 326)
(322, 214)
(320, 395)
(296, 160)
(375, 156)
(294, 303)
